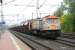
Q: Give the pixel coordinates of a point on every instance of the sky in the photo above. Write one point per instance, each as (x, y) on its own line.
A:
(16, 11)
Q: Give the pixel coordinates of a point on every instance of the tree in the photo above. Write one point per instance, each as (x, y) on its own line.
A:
(69, 24)
(59, 11)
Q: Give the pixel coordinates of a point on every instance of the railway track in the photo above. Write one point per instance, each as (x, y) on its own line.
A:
(69, 36)
(42, 44)
(31, 43)
(69, 42)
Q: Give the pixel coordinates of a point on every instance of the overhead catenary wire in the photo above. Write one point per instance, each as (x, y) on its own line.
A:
(7, 2)
(27, 6)
(17, 5)
(42, 4)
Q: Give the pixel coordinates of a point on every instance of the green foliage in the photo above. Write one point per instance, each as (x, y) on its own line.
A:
(67, 26)
(59, 11)
(69, 18)
(71, 4)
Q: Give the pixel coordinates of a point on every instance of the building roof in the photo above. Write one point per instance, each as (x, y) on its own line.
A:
(50, 17)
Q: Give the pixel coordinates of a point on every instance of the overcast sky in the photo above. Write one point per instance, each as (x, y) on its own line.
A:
(16, 11)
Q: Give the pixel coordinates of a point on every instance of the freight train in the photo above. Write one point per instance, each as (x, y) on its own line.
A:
(48, 26)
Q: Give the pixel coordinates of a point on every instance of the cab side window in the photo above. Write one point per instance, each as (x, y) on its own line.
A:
(49, 21)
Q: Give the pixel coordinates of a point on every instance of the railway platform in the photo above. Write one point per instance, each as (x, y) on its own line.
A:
(9, 42)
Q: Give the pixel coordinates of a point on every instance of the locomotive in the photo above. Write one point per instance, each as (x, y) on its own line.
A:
(48, 26)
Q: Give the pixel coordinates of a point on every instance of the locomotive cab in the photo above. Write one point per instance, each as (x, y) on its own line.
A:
(52, 26)
(54, 23)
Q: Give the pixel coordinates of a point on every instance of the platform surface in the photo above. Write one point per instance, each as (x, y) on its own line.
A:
(9, 42)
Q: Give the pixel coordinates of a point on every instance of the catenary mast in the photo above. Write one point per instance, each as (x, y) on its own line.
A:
(2, 17)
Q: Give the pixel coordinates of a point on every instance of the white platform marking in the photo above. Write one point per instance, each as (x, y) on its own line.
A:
(14, 42)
